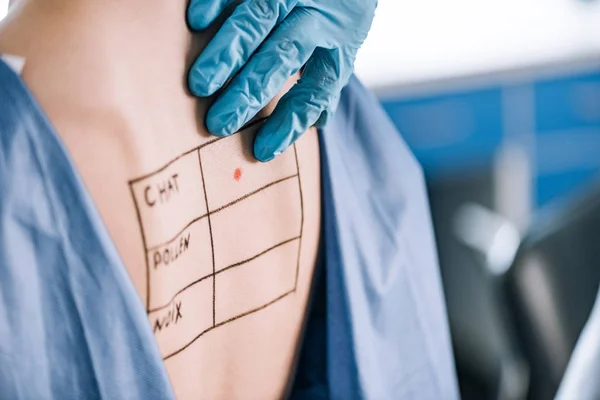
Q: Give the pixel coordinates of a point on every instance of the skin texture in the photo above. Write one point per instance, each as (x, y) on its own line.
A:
(111, 76)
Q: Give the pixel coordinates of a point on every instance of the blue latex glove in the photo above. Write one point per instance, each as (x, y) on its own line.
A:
(267, 41)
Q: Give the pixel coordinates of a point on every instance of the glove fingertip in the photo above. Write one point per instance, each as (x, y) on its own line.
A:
(221, 123)
(264, 157)
(279, 133)
(265, 153)
(197, 85)
(267, 143)
(217, 128)
(201, 87)
(198, 19)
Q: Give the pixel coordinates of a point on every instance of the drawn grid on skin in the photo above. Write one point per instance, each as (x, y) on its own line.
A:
(207, 215)
(139, 217)
(148, 175)
(237, 264)
(212, 245)
(301, 216)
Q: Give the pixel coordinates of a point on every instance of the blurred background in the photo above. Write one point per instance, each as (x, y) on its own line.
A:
(500, 102)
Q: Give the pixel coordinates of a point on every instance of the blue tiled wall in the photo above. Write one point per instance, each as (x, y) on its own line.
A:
(458, 130)
(452, 132)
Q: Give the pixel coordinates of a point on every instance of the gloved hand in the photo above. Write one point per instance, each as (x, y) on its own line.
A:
(269, 41)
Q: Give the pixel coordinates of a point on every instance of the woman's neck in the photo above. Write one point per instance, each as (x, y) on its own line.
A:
(102, 52)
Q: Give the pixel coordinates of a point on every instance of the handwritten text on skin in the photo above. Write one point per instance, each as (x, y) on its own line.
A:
(162, 191)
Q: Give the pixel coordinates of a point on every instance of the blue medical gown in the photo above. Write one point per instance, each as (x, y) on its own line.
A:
(581, 379)
(73, 326)
(381, 318)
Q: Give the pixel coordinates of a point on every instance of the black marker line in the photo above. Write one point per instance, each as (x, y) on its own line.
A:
(262, 253)
(167, 165)
(253, 123)
(218, 210)
(208, 214)
(228, 321)
(139, 217)
(238, 264)
(212, 246)
(244, 197)
(158, 246)
(153, 248)
(242, 315)
(168, 304)
(148, 175)
(301, 217)
(189, 344)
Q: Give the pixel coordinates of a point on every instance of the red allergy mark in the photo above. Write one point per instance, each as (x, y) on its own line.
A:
(237, 174)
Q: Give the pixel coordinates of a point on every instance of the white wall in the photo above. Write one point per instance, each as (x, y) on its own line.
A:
(415, 40)
(3, 8)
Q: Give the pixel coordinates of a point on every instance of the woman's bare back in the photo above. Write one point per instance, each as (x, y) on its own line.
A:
(221, 248)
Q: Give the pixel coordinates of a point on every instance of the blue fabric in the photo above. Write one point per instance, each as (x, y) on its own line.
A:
(580, 380)
(71, 322)
(387, 334)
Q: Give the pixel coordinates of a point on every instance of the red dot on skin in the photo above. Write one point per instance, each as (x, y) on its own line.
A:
(237, 174)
